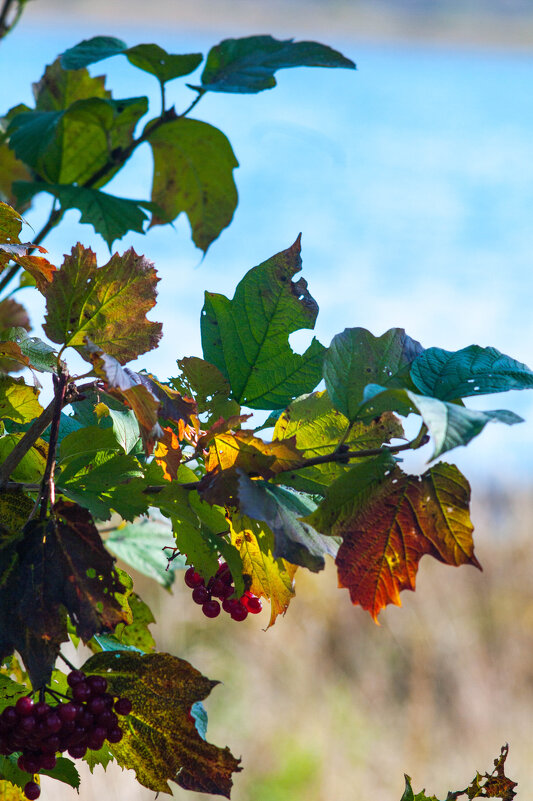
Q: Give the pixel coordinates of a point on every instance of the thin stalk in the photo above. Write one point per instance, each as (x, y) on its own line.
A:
(47, 485)
(5, 24)
(66, 661)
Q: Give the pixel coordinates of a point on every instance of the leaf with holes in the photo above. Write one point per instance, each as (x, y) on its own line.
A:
(193, 172)
(161, 742)
(247, 338)
(106, 304)
(56, 565)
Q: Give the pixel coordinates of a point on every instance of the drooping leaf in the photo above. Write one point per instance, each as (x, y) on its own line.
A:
(318, 429)
(247, 338)
(272, 578)
(40, 355)
(282, 511)
(356, 358)
(58, 564)
(31, 467)
(141, 545)
(388, 520)
(148, 57)
(193, 172)
(161, 742)
(18, 401)
(248, 64)
(174, 406)
(448, 375)
(106, 304)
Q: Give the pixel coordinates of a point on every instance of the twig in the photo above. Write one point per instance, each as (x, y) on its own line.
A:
(47, 486)
(5, 25)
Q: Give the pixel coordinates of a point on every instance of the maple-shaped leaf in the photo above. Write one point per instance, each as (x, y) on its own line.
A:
(494, 784)
(247, 338)
(161, 742)
(129, 387)
(193, 172)
(356, 358)
(388, 520)
(281, 510)
(271, 577)
(318, 428)
(106, 304)
(57, 565)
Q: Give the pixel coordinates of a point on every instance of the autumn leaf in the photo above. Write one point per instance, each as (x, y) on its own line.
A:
(388, 520)
(272, 578)
(168, 454)
(247, 337)
(56, 565)
(15, 509)
(210, 389)
(161, 742)
(106, 304)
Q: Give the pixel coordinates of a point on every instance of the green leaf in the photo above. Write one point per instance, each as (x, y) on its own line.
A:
(11, 169)
(248, 64)
(10, 691)
(10, 224)
(448, 375)
(125, 429)
(18, 401)
(193, 172)
(247, 338)
(281, 510)
(106, 304)
(42, 357)
(141, 546)
(86, 443)
(102, 757)
(65, 771)
(15, 509)
(111, 217)
(161, 741)
(356, 358)
(10, 771)
(89, 51)
(134, 636)
(31, 467)
(57, 566)
(318, 429)
(58, 89)
(165, 66)
(148, 57)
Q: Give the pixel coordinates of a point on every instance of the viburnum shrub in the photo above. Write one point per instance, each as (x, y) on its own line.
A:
(246, 511)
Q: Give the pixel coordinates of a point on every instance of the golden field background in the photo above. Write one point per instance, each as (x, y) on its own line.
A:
(327, 705)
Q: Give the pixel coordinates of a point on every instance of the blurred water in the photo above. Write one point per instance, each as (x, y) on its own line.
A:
(411, 180)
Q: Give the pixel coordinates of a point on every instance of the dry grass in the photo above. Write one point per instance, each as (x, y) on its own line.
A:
(326, 705)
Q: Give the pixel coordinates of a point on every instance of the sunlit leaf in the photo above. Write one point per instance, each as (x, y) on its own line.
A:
(193, 172)
(142, 545)
(168, 454)
(108, 304)
(210, 389)
(161, 742)
(31, 467)
(248, 64)
(448, 375)
(247, 338)
(57, 564)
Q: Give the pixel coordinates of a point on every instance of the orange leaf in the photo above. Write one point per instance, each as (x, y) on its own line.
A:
(168, 454)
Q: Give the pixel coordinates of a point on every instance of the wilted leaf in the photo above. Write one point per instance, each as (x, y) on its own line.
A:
(248, 64)
(495, 784)
(388, 520)
(282, 511)
(247, 338)
(272, 578)
(141, 545)
(449, 375)
(161, 742)
(58, 564)
(106, 304)
(356, 358)
(318, 429)
(193, 172)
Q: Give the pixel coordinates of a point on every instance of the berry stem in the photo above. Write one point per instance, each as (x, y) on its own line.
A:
(66, 661)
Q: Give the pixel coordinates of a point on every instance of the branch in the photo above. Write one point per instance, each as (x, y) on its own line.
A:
(47, 484)
(5, 24)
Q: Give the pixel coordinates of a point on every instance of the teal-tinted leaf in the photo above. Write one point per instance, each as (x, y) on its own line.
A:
(247, 338)
(125, 429)
(200, 718)
(64, 771)
(31, 133)
(356, 358)
(193, 172)
(248, 64)
(282, 511)
(165, 66)
(108, 642)
(90, 51)
(142, 545)
(111, 217)
(474, 370)
(42, 357)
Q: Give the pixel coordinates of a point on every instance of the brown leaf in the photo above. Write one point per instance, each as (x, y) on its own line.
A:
(167, 454)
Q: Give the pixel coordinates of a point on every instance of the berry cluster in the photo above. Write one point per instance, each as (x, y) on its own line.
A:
(73, 724)
(221, 586)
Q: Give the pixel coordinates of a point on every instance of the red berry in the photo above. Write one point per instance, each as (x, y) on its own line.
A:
(9, 717)
(74, 677)
(77, 751)
(253, 605)
(41, 708)
(52, 722)
(28, 724)
(210, 609)
(200, 595)
(48, 761)
(51, 744)
(115, 735)
(193, 579)
(97, 705)
(98, 684)
(239, 612)
(32, 762)
(81, 691)
(220, 589)
(24, 706)
(32, 791)
(68, 711)
(123, 705)
(94, 741)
